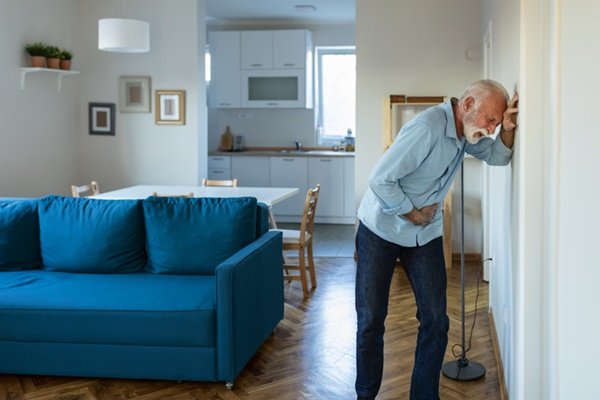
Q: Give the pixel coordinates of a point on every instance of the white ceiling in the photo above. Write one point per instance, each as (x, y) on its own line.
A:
(280, 10)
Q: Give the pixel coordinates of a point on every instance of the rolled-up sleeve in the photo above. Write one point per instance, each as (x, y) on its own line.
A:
(404, 156)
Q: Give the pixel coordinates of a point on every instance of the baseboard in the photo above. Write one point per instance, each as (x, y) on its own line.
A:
(499, 365)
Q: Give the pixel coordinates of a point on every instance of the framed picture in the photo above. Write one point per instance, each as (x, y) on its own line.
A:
(102, 118)
(134, 94)
(170, 107)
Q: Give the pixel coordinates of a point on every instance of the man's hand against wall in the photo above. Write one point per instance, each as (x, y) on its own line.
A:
(424, 216)
(509, 121)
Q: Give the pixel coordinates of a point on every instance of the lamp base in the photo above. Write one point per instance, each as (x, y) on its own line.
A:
(463, 370)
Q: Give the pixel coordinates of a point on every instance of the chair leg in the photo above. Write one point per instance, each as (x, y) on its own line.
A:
(311, 266)
(302, 269)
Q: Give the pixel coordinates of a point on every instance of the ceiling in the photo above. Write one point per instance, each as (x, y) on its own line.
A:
(281, 10)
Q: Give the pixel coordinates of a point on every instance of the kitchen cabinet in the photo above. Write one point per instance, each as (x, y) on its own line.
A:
(329, 173)
(224, 90)
(275, 49)
(290, 172)
(251, 171)
(219, 167)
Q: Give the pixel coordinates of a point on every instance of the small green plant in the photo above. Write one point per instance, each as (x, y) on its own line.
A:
(66, 55)
(36, 49)
(53, 52)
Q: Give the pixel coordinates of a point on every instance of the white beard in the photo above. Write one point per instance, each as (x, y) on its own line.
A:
(472, 132)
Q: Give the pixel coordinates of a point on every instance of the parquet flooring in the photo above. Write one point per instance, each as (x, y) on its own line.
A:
(310, 356)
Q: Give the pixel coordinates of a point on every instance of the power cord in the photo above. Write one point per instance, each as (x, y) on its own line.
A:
(474, 316)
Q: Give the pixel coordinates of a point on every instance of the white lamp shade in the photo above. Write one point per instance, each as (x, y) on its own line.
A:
(123, 35)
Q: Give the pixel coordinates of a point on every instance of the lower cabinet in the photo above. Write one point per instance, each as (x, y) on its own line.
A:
(251, 171)
(219, 167)
(329, 173)
(290, 172)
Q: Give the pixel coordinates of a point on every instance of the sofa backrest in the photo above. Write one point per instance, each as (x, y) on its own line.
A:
(163, 235)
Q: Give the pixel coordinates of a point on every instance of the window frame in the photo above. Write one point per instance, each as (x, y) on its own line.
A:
(320, 51)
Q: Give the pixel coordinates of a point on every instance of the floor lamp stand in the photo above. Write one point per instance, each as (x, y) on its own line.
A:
(463, 369)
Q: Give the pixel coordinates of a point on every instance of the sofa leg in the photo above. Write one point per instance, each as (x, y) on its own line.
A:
(229, 385)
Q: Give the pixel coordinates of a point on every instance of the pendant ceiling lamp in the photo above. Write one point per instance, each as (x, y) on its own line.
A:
(123, 35)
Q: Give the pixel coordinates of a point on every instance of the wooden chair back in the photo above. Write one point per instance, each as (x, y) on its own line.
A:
(308, 217)
(85, 190)
(221, 183)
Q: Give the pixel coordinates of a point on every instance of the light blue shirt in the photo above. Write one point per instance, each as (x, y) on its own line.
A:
(418, 170)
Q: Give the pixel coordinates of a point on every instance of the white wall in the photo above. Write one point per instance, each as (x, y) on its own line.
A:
(143, 152)
(271, 127)
(578, 259)
(413, 48)
(45, 145)
(38, 125)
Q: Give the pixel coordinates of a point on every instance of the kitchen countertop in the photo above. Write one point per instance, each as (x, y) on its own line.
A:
(284, 153)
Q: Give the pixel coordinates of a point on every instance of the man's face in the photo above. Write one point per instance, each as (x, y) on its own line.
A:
(482, 120)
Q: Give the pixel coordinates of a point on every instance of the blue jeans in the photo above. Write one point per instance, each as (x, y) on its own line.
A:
(426, 272)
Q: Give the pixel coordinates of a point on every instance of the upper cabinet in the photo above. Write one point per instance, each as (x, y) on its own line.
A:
(225, 84)
(276, 49)
(274, 69)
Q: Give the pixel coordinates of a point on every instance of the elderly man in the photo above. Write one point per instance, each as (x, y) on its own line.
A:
(400, 217)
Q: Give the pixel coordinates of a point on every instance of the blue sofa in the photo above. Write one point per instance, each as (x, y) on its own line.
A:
(161, 288)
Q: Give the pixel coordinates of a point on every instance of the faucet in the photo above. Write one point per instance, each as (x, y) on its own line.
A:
(298, 145)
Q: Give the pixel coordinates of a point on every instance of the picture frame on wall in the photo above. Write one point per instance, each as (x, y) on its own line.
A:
(170, 107)
(102, 118)
(134, 94)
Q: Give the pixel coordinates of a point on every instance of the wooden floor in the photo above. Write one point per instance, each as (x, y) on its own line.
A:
(311, 355)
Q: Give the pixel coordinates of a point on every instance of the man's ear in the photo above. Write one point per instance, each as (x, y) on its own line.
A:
(468, 103)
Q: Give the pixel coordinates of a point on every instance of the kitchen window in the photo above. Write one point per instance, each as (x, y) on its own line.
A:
(335, 93)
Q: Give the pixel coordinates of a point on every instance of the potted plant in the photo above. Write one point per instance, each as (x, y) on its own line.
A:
(65, 59)
(37, 51)
(53, 57)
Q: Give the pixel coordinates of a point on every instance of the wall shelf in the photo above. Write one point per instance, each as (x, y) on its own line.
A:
(58, 72)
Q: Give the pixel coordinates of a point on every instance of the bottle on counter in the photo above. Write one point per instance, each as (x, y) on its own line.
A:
(349, 140)
(226, 140)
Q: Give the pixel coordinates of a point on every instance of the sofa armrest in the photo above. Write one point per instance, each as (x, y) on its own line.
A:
(249, 293)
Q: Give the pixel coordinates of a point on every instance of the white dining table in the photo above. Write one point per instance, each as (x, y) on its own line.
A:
(267, 195)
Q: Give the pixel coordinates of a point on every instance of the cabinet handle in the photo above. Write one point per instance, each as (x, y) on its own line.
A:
(325, 159)
(289, 159)
(289, 64)
(272, 104)
(224, 104)
(217, 158)
(256, 65)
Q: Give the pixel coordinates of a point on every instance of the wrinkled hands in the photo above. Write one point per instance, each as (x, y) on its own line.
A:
(509, 122)
(423, 216)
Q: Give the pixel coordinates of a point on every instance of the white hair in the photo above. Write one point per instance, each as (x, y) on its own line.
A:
(483, 88)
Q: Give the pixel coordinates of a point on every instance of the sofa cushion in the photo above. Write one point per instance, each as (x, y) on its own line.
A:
(90, 235)
(192, 236)
(136, 309)
(19, 235)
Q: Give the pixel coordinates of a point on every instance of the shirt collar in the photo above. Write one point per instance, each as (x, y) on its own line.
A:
(451, 125)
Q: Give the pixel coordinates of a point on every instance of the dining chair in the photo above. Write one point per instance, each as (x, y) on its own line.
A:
(187, 195)
(222, 183)
(85, 190)
(302, 241)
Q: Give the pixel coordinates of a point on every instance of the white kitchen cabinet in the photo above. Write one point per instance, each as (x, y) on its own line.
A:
(329, 173)
(349, 203)
(257, 49)
(276, 49)
(291, 48)
(224, 90)
(290, 172)
(251, 171)
(219, 167)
